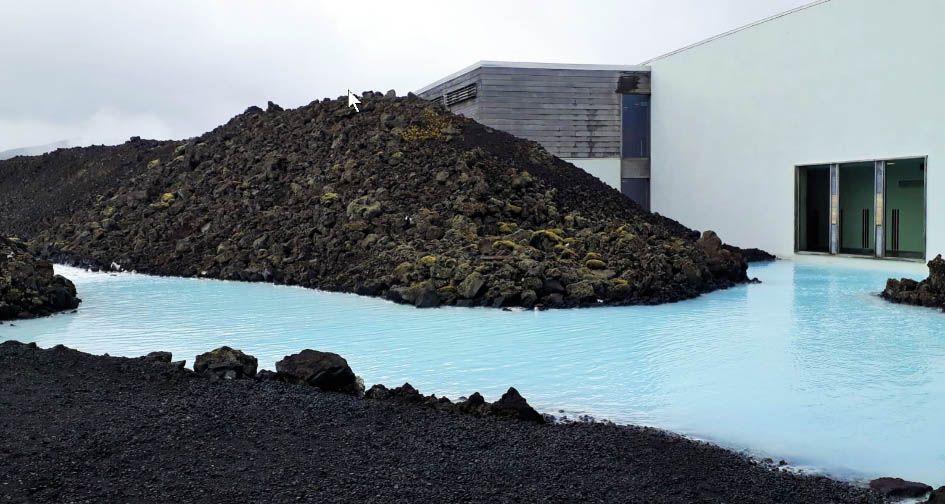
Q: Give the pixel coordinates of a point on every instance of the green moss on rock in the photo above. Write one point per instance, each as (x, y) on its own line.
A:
(595, 264)
(507, 227)
(328, 198)
(508, 245)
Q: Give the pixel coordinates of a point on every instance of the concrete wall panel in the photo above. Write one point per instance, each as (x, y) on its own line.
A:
(844, 80)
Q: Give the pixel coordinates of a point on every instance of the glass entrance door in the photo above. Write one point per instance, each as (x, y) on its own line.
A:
(905, 208)
(857, 216)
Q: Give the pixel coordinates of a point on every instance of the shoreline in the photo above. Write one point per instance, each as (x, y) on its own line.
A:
(94, 266)
(442, 455)
(838, 473)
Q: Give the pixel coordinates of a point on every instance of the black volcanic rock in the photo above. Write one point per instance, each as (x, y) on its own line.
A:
(28, 286)
(325, 370)
(899, 488)
(225, 363)
(937, 496)
(402, 200)
(751, 254)
(929, 292)
(510, 405)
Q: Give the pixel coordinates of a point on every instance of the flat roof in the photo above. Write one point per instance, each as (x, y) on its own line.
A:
(523, 64)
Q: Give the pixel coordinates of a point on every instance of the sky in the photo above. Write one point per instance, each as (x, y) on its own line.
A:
(100, 71)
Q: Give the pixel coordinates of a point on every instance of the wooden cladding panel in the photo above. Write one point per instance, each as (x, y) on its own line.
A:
(572, 113)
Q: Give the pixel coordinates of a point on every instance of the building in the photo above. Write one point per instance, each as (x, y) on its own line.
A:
(595, 116)
(820, 130)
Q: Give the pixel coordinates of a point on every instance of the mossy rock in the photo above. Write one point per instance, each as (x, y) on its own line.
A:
(523, 179)
(595, 264)
(551, 234)
(427, 260)
(358, 225)
(402, 271)
(328, 198)
(631, 241)
(565, 252)
(364, 208)
(620, 288)
(472, 285)
(108, 211)
(592, 255)
(509, 245)
(154, 163)
(575, 220)
(447, 291)
(167, 198)
(508, 227)
(513, 209)
(581, 290)
(433, 126)
(545, 239)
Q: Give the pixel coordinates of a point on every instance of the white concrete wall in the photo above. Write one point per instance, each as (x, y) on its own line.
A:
(839, 81)
(606, 169)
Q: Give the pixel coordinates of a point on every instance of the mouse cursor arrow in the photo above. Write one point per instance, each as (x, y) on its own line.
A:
(353, 101)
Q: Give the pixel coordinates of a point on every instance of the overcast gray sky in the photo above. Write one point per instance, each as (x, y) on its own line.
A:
(100, 71)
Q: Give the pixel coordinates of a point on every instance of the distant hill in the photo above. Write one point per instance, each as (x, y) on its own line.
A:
(33, 151)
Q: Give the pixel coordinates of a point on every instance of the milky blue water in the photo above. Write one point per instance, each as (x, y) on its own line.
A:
(809, 366)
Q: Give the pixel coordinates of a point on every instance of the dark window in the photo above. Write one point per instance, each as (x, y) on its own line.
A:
(636, 126)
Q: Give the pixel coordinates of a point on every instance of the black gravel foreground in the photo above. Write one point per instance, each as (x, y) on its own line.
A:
(83, 428)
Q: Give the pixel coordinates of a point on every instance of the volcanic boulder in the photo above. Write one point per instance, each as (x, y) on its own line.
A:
(899, 488)
(937, 496)
(159, 356)
(512, 404)
(226, 363)
(929, 292)
(28, 286)
(325, 370)
(401, 200)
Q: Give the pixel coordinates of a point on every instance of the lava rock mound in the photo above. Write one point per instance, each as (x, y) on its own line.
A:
(28, 287)
(402, 200)
(929, 292)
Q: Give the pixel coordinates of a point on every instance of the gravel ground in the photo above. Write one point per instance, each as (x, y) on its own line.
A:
(83, 428)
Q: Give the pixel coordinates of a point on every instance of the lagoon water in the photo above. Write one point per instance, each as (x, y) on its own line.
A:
(809, 366)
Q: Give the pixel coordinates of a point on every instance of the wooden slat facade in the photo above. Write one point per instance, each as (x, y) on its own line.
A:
(572, 112)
